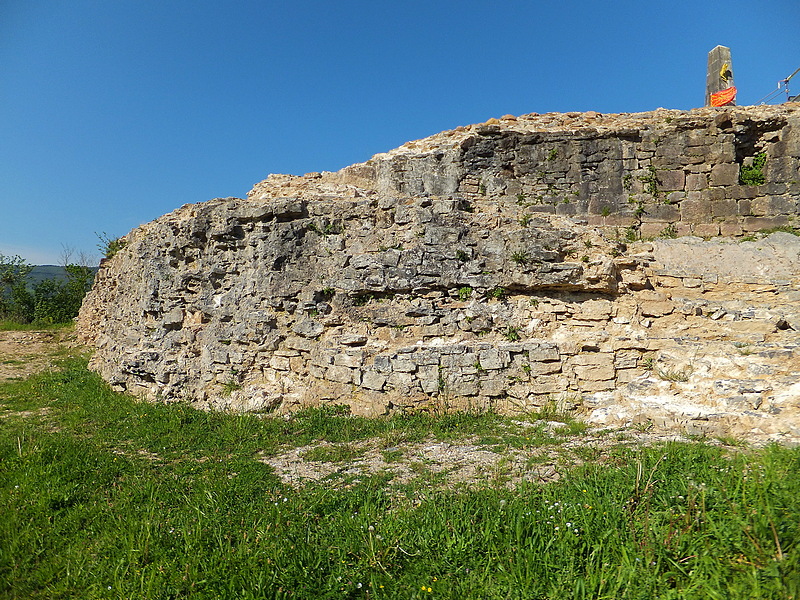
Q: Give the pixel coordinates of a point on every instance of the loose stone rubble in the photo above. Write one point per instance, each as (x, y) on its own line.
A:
(498, 266)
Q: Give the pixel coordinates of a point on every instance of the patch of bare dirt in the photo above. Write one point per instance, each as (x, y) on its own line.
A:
(462, 462)
(23, 353)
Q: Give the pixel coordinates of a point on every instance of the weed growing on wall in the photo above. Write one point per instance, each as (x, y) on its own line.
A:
(753, 174)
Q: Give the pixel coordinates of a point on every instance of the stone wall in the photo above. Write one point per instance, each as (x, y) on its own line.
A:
(435, 278)
(668, 170)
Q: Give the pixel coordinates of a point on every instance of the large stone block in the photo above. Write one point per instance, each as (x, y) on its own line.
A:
(706, 230)
(663, 213)
(724, 208)
(372, 380)
(695, 210)
(339, 374)
(656, 308)
(696, 181)
(349, 359)
(593, 359)
(774, 206)
(725, 174)
(761, 223)
(671, 180)
(534, 369)
(594, 372)
(730, 228)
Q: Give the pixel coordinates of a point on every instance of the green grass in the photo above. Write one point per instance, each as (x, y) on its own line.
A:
(102, 496)
(9, 325)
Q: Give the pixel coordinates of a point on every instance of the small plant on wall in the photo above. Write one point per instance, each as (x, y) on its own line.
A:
(753, 174)
(650, 181)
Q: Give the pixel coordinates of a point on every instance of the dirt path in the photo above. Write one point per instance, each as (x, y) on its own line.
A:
(23, 353)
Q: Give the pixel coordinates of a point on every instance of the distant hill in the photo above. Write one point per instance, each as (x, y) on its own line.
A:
(42, 272)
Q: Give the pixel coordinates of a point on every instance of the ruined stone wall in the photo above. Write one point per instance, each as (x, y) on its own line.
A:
(434, 278)
(674, 171)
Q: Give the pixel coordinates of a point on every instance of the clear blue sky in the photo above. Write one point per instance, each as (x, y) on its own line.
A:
(114, 112)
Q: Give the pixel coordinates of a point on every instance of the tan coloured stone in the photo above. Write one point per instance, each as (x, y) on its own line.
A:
(706, 230)
(656, 308)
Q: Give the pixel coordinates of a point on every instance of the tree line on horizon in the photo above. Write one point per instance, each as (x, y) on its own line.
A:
(50, 301)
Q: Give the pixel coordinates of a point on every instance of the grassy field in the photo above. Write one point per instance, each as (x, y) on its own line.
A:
(102, 496)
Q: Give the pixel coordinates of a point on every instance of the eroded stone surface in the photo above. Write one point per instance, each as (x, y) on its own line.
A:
(481, 268)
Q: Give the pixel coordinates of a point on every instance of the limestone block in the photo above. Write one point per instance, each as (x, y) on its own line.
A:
(372, 380)
(706, 230)
(492, 359)
(596, 385)
(298, 343)
(593, 365)
(724, 208)
(403, 214)
(382, 364)
(339, 374)
(403, 365)
(696, 182)
(543, 368)
(465, 385)
(668, 281)
(759, 223)
(279, 363)
(595, 310)
(664, 213)
(774, 205)
(775, 189)
(308, 328)
(627, 375)
(428, 377)
(782, 168)
(403, 383)
(548, 384)
(655, 308)
(541, 352)
(298, 364)
(493, 386)
(594, 372)
(671, 180)
(737, 192)
(730, 228)
(725, 174)
(349, 359)
(430, 357)
(173, 318)
(626, 360)
(353, 339)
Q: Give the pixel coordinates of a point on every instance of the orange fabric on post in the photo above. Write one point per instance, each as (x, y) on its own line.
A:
(723, 97)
